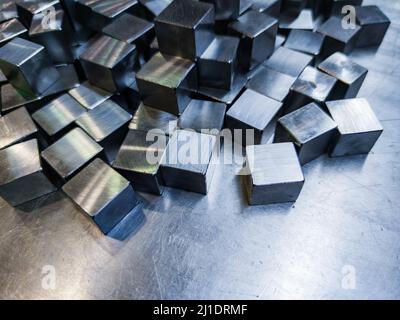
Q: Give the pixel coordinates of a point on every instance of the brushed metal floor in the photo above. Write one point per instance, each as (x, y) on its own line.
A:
(187, 246)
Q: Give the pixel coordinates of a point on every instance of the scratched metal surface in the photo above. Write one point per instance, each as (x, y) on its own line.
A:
(190, 246)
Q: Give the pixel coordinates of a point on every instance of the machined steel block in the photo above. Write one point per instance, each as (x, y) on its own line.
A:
(139, 160)
(57, 37)
(58, 117)
(191, 169)
(109, 63)
(89, 96)
(253, 114)
(258, 33)
(374, 24)
(271, 83)
(270, 7)
(103, 194)
(309, 128)
(147, 119)
(203, 117)
(226, 9)
(217, 64)
(185, 28)
(338, 38)
(305, 41)
(69, 155)
(155, 7)
(274, 174)
(30, 70)
(16, 127)
(349, 74)
(288, 61)
(107, 125)
(21, 175)
(311, 86)
(165, 83)
(358, 127)
(11, 29)
(8, 10)
(28, 8)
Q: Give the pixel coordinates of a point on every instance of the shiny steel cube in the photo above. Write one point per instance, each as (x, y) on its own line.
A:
(30, 70)
(358, 127)
(165, 82)
(106, 124)
(185, 28)
(15, 127)
(305, 41)
(349, 74)
(103, 194)
(253, 114)
(11, 29)
(139, 160)
(217, 64)
(311, 86)
(109, 63)
(226, 9)
(374, 24)
(258, 33)
(21, 174)
(28, 8)
(275, 174)
(309, 128)
(190, 160)
(89, 96)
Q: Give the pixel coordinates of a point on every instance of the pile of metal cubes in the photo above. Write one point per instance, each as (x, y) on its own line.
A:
(84, 82)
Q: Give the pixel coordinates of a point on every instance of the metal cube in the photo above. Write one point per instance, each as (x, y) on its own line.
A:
(311, 86)
(89, 96)
(258, 33)
(109, 63)
(185, 28)
(374, 24)
(66, 157)
(134, 163)
(309, 128)
(270, 7)
(275, 174)
(21, 175)
(305, 41)
(203, 117)
(30, 70)
(28, 8)
(358, 127)
(288, 61)
(8, 10)
(16, 127)
(165, 82)
(11, 29)
(217, 64)
(103, 194)
(254, 112)
(194, 170)
(349, 74)
(107, 125)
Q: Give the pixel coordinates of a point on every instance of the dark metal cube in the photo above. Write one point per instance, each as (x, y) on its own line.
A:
(89, 96)
(305, 41)
(11, 29)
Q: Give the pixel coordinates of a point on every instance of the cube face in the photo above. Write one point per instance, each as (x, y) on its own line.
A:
(185, 28)
(106, 69)
(309, 128)
(226, 9)
(155, 7)
(21, 177)
(349, 74)
(270, 7)
(374, 24)
(305, 41)
(103, 194)
(8, 10)
(16, 127)
(28, 8)
(89, 96)
(304, 21)
(275, 174)
(30, 70)
(11, 29)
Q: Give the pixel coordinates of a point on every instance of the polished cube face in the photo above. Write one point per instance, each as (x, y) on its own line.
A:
(305, 41)
(21, 175)
(226, 9)
(15, 127)
(103, 194)
(217, 64)
(374, 24)
(253, 111)
(109, 63)
(358, 127)
(155, 7)
(11, 29)
(311, 86)
(185, 28)
(349, 74)
(309, 128)
(275, 174)
(139, 160)
(193, 170)
(203, 116)
(164, 83)
(89, 96)
(30, 71)
(258, 33)
(304, 21)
